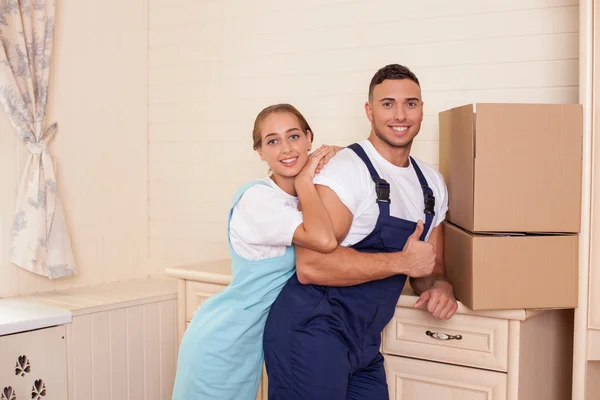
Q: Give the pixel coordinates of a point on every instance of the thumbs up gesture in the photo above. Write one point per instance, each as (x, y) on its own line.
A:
(420, 255)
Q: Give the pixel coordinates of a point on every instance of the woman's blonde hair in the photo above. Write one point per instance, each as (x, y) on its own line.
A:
(278, 108)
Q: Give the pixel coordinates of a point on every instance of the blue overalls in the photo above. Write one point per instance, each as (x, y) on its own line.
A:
(322, 343)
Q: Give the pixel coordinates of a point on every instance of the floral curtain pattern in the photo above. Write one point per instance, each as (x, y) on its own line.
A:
(41, 242)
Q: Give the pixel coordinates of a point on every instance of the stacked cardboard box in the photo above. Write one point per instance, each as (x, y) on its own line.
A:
(514, 186)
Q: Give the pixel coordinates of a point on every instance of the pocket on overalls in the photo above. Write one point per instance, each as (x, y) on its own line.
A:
(394, 238)
(312, 301)
(372, 336)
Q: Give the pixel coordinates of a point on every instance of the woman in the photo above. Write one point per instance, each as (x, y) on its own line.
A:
(221, 354)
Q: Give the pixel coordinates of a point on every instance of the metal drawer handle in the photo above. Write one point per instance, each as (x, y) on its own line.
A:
(443, 336)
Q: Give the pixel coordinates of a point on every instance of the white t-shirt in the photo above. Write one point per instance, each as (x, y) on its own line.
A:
(348, 176)
(263, 222)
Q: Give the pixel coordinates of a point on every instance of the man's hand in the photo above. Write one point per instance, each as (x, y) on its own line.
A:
(419, 255)
(440, 300)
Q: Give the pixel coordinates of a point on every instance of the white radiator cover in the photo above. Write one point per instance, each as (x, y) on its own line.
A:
(122, 342)
(123, 354)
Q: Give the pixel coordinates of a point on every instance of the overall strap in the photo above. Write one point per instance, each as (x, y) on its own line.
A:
(382, 187)
(428, 198)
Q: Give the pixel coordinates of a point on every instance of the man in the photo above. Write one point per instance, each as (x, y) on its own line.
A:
(323, 333)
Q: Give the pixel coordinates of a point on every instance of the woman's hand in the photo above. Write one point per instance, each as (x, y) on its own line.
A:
(330, 153)
(316, 161)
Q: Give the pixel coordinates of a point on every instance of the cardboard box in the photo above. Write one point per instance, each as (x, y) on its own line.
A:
(513, 167)
(506, 272)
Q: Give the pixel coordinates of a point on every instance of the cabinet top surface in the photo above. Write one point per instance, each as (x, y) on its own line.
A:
(19, 316)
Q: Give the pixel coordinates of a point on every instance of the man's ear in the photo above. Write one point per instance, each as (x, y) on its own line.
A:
(369, 111)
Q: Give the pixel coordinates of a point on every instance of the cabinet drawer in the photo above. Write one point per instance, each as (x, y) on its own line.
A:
(196, 293)
(418, 380)
(464, 339)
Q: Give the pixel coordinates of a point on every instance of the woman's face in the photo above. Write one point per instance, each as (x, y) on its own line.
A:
(283, 144)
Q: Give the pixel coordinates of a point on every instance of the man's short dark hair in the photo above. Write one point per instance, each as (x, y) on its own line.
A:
(391, 71)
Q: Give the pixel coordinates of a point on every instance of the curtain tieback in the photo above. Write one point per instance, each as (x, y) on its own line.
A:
(41, 145)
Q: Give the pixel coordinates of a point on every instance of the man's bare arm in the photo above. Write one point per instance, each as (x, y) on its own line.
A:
(345, 266)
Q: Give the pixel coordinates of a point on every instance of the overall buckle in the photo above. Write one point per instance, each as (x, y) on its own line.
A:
(429, 203)
(382, 188)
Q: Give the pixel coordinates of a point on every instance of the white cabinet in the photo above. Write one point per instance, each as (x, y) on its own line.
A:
(410, 379)
(493, 355)
(33, 365)
(463, 340)
(504, 355)
(120, 344)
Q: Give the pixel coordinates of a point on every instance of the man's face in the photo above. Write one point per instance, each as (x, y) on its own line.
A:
(396, 111)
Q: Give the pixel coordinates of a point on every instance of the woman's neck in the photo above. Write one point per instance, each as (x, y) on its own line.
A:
(285, 183)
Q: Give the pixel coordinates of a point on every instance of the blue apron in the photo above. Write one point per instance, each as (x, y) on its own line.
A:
(322, 343)
(221, 353)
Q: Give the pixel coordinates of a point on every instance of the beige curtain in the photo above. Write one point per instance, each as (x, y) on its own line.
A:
(41, 242)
